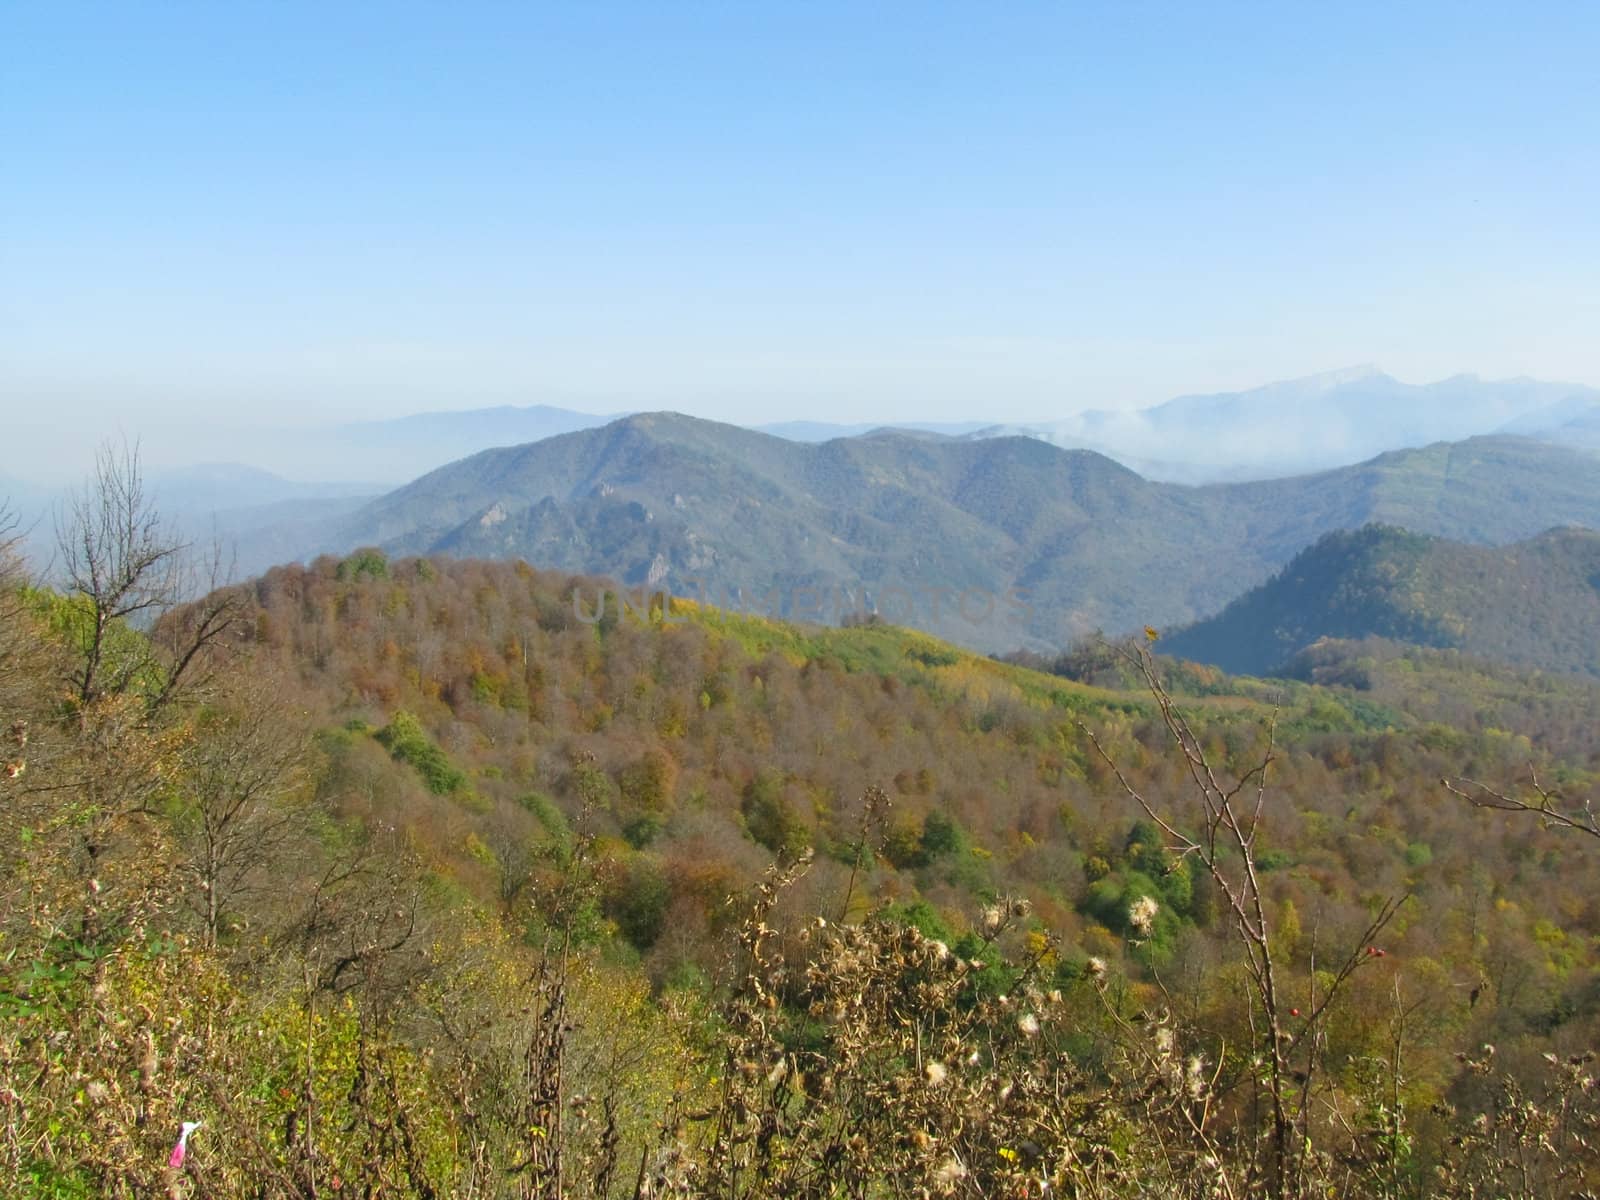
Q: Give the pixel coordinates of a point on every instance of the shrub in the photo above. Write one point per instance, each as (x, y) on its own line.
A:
(369, 563)
(942, 835)
(409, 743)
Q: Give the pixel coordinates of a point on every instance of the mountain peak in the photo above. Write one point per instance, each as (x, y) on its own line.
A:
(1325, 381)
(1344, 375)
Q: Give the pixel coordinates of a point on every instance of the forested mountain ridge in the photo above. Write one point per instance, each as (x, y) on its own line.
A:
(684, 504)
(1533, 603)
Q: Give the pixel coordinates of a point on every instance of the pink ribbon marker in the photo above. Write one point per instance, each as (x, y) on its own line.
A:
(182, 1148)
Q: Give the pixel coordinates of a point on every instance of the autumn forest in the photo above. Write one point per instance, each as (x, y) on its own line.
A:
(420, 877)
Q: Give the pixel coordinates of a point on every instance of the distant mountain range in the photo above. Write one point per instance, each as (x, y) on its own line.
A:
(265, 518)
(1322, 421)
(1282, 429)
(405, 447)
(999, 537)
(224, 487)
(1042, 544)
(1287, 428)
(1535, 603)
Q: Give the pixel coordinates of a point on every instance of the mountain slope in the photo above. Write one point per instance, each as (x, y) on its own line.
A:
(1535, 603)
(941, 533)
(1581, 432)
(1557, 713)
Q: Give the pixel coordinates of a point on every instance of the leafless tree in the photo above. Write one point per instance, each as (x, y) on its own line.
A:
(19, 652)
(118, 559)
(362, 923)
(12, 576)
(1219, 829)
(124, 567)
(10, 540)
(15, 640)
(238, 776)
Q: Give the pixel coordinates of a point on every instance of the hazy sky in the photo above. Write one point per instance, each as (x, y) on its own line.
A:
(758, 211)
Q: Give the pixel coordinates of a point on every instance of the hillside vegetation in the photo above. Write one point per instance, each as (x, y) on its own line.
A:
(1535, 603)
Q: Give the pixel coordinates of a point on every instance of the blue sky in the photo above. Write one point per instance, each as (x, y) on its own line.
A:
(757, 211)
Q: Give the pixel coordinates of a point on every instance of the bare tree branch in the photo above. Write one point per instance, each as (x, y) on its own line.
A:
(127, 571)
(1225, 845)
(1545, 804)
